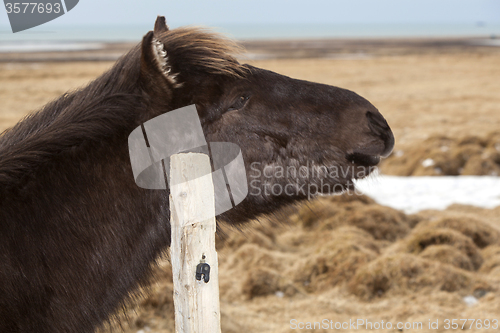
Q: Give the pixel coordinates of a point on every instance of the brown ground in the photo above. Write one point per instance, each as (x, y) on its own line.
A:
(344, 258)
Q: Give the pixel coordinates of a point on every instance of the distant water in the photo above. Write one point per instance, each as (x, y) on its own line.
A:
(92, 37)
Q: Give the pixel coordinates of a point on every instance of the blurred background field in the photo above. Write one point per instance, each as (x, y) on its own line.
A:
(345, 257)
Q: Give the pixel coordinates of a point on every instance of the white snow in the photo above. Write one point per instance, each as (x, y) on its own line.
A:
(428, 162)
(470, 300)
(413, 194)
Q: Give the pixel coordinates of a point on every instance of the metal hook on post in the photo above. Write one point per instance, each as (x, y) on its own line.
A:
(203, 269)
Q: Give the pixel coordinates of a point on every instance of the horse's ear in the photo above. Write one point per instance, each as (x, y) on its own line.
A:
(155, 70)
(160, 25)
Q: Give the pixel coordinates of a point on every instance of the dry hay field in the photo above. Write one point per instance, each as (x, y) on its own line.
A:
(346, 258)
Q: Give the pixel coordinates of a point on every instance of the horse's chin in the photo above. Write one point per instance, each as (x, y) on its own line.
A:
(364, 160)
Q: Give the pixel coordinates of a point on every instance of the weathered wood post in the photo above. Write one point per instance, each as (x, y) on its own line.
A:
(192, 207)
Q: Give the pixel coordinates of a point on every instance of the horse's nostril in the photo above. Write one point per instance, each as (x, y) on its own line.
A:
(380, 127)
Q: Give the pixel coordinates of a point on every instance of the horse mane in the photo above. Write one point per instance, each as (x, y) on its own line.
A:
(67, 124)
(110, 104)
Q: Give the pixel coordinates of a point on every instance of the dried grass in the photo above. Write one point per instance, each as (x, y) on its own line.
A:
(403, 273)
(329, 213)
(335, 261)
(470, 155)
(481, 233)
(422, 238)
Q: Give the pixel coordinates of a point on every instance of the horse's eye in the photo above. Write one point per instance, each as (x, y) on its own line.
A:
(239, 103)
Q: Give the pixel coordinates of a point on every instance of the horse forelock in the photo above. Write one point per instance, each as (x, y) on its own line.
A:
(199, 50)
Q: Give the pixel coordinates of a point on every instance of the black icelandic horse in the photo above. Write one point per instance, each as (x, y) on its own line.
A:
(78, 237)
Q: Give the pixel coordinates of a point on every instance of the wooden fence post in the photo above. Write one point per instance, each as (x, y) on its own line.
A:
(196, 302)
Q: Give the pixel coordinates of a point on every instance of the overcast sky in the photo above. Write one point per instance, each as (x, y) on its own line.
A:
(223, 12)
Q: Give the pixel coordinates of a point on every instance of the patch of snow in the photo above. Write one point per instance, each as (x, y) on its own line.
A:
(413, 194)
(428, 162)
(470, 300)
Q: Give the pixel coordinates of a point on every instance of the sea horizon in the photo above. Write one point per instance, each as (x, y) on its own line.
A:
(67, 38)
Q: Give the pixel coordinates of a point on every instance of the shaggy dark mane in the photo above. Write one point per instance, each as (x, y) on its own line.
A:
(66, 124)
